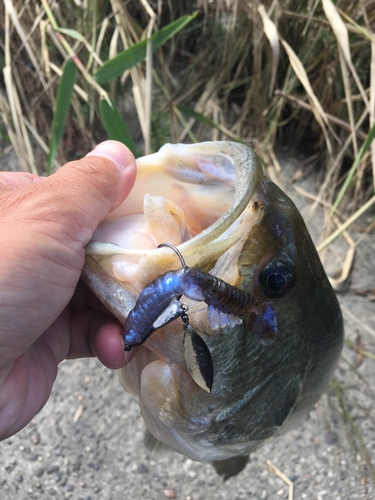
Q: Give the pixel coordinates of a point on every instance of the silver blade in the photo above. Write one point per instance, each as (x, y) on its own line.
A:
(172, 312)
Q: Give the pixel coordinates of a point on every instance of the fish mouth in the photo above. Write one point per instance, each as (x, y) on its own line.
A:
(188, 195)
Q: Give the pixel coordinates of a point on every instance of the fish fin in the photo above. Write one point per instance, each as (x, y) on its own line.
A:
(231, 466)
(153, 445)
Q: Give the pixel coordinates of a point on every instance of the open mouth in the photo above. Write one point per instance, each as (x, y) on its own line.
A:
(185, 195)
(164, 209)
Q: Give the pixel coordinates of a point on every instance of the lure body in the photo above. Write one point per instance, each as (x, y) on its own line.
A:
(226, 302)
(152, 302)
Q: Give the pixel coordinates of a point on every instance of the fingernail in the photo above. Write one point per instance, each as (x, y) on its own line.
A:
(115, 151)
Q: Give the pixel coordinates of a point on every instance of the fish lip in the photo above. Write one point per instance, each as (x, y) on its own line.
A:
(249, 173)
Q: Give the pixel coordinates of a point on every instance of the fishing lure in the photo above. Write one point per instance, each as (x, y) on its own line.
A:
(158, 304)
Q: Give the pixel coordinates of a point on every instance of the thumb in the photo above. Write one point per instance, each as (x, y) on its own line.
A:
(123, 180)
(87, 190)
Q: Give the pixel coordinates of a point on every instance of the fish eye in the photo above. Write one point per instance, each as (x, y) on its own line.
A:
(277, 278)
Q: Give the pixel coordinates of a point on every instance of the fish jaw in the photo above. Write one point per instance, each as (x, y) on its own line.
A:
(258, 390)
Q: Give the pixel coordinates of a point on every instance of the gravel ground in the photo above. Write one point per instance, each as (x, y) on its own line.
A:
(87, 442)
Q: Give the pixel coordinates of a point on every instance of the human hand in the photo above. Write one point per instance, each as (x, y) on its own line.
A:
(46, 313)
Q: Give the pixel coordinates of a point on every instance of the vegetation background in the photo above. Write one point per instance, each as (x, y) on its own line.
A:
(293, 74)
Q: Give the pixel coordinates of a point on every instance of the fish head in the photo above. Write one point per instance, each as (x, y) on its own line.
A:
(226, 218)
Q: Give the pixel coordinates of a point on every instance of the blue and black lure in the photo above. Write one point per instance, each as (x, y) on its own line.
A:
(159, 304)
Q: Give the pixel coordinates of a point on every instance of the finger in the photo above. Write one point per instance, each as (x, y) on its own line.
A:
(94, 185)
(75, 199)
(84, 298)
(104, 342)
(108, 346)
(119, 154)
(16, 180)
(96, 334)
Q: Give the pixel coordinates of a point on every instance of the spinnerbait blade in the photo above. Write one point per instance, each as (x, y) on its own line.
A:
(198, 359)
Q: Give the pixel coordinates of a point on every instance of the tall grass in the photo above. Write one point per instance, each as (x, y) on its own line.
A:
(300, 72)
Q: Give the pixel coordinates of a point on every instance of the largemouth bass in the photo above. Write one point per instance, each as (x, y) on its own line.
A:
(213, 203)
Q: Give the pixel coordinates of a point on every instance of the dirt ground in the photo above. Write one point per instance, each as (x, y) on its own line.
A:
(87, 442)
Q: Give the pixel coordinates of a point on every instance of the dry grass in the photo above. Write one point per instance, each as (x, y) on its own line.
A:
(299, 72)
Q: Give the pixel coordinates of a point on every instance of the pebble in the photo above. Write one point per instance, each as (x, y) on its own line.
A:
(19, 478)
(33, 457)
(293, 478)
(169, 493)
(39, 472)
(35, 438)
(52, 469)
(142, 469)
(331, 437)
(93, 466)
(76, 465)
(70, 487)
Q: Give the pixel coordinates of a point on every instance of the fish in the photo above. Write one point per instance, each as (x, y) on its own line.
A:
(267, 368)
